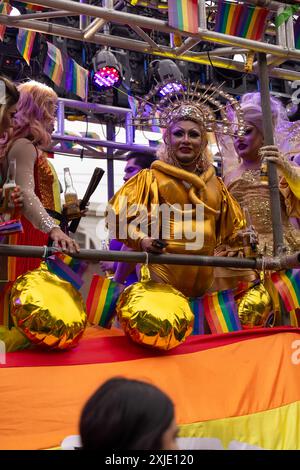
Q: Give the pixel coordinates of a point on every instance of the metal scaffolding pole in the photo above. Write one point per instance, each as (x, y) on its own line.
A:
(269, 140)
(269, 263)
(110, 134)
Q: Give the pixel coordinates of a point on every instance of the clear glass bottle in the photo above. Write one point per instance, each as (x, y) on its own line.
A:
(71, 207)
(8, 187)
(105, 247)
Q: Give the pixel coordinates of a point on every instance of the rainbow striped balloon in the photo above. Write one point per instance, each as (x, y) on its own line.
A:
(241, 20)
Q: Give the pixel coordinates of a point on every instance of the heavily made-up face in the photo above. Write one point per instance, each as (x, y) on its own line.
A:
(7, 118)
(186, 141)
(50, 116)
(131, 169)
(248, 145)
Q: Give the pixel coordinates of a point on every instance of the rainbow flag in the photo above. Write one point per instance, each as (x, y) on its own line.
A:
(53, 67)
(183, 15)
(77, 265)
(28, 6)
(25, 41)
(61, 269)
(297, 33)
(220, 311)
(76, 79)
(5, 9)
(102, 299)
(241, 20)
(288, 285)
(196, 305)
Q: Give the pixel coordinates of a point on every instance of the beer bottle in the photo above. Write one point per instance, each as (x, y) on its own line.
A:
(264, 172)
(7, 205)
(71, 207)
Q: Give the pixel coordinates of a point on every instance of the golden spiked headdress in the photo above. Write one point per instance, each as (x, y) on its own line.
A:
(189, 101)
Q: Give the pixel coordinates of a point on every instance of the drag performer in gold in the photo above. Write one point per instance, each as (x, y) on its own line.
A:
(183, 180)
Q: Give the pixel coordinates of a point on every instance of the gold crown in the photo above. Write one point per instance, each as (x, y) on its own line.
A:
(189, 101)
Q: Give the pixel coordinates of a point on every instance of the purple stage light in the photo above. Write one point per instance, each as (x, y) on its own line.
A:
(107, 77)
(169, 88)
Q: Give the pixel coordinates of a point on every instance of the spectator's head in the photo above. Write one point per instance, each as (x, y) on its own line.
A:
(9, 97)
(137, 161)
(36, 113)
(128, 414)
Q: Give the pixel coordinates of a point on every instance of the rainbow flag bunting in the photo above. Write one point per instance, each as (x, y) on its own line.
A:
(197, 308)
(220, 311)
(102, 300)
(5, 9)
(61, 269)
(288, 285)
(241, 20)
(297, 33)
(28, 6)
(53, 67)
(76, 79)
(25, 41)
(183, 15)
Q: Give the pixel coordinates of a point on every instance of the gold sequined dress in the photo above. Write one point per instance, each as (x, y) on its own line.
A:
(180, 190)
(253, 195)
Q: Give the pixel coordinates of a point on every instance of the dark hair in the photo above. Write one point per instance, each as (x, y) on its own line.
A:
(125, 414)
(144, 160)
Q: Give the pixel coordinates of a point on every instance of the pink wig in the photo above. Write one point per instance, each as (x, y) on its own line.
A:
(34, 112)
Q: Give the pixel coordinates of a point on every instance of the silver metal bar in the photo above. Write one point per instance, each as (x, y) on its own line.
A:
(42, 16)
(202, 14)
(159, 25)
(289, 27)
(139, 46)
(102, 143)
(93, 28)
(94, 107)
(281, 35)
(129, 129)
(276, 263)
(188, 44)
(145, 36)
(61, 117)
(83, 19)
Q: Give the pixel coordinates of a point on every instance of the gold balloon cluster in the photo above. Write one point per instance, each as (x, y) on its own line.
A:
(154, 314)
(49, 311)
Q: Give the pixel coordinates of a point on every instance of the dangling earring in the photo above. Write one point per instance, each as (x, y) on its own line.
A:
(239, 159)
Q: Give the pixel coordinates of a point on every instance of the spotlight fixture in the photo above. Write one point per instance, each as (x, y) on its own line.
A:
(108, 71)
(166, 70)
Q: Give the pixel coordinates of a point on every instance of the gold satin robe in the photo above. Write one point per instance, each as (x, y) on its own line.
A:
(174, 187)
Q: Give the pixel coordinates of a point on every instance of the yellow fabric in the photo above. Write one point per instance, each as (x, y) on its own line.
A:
(174, 187)
(256, 429)
(290, 189)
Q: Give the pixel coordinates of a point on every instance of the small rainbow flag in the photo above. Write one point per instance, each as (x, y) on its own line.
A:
(197, 308)
(297, 33)
(76, 79)
(77, 265)
(25, 41)
(288, 285)
(53, 67)
(241, 20)
(28, 6)
(102, 299)
(220, 311)
(5, 9)
(183, 15)
(61, 269)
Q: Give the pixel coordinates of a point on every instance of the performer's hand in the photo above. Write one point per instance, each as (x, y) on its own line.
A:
(152, 245)
(107, 266)
(271, 153)
(61, 240)
(17, 197)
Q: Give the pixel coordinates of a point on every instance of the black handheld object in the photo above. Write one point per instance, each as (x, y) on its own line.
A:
(159, 243)
(95, 180)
